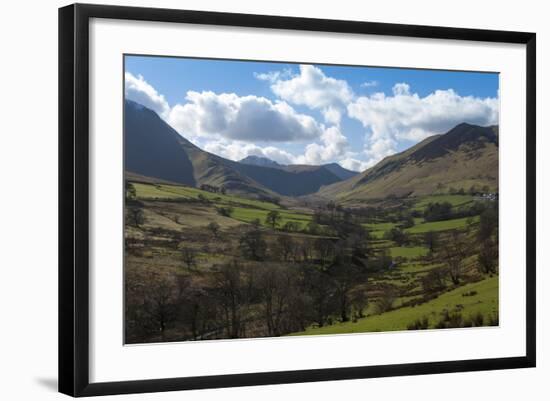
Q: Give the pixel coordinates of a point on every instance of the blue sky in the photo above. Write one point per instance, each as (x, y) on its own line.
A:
(308, 114)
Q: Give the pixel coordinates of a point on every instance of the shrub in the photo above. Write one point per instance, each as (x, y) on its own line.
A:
(386, 301)
(135, 217)
(407, 222)
(450, 320)
(203, 199)
(291, 226)
(477, 319)
(455, 320)
(225, 211)
(397, 235)
(434, 281)
(419, 324)
(438, 211)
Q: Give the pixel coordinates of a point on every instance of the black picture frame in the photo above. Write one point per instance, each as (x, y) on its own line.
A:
(74, 198)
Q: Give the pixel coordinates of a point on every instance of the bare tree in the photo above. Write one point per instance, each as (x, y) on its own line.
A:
(135, 216)
(324, 248)
(453, 253)
(488, 223)
(291, 226)
(197, 309)
(214, 228)
(433, 281)
(345, 272)
(285, 246)
(488, 257)
(321, 292)
(431, 239)
(234, 289)
(306, 250)
(189, 257)
(358, 301)
(150, 302)
(277, 286)
(252, 245)
(386, 300)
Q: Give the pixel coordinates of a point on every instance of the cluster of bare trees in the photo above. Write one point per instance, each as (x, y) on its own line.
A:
(265, 292)
(454, 250)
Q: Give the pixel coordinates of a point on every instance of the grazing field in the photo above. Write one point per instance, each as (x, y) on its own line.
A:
(484, 302)
(174, 192)
(454, 200)
(441, 225)
(377, 230)
(408, 252)
(249, 214)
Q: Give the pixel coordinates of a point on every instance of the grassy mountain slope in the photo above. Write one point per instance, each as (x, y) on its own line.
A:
(466, 155)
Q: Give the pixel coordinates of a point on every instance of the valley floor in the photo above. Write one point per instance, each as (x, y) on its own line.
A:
(207, 265)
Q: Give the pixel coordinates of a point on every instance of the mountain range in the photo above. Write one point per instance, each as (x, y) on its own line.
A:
(466, 155)
(339, 171)
(154, 149)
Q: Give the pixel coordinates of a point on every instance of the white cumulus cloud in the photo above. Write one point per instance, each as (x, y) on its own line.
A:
(312, 88)
(273, 76)
(138, 90)
(408, 116)
(333, 146)
(246, 118)
(235, 126)
(354, 164)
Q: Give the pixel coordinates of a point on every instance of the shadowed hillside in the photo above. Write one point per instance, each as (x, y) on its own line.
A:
(156, 150)
(291, 183)
(334, 168)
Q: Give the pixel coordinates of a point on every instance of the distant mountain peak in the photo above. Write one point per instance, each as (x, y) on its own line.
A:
(339, 171)
(259, 161)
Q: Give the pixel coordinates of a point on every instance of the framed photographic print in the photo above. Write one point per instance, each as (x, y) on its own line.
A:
(249, 199)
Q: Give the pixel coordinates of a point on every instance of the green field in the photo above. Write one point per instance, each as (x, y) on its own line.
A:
(248, 215)
(408, 252)
(245, 210)
(455, 200)
(484, 302)
(148, 191)
(377, 230)
(416, 267)
(440, 225)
